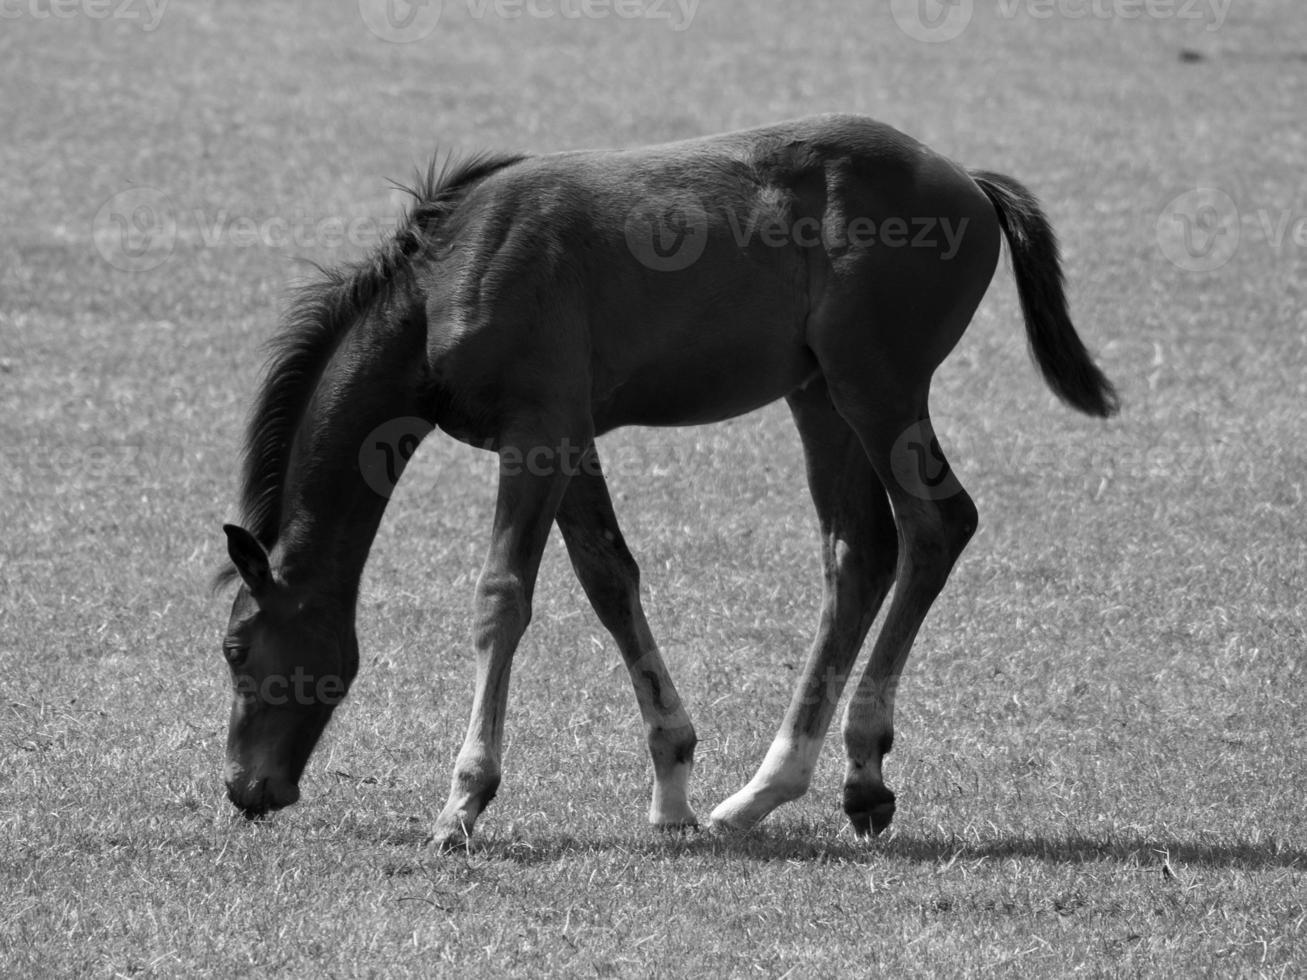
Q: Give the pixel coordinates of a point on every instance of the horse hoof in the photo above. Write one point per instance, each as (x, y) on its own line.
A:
(678, 827)
(881, 817)
(869, 810)
(447, 839)
(450, 843)
(674, 822)
(722, 826)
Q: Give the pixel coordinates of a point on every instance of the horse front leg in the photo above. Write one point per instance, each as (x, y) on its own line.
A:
(533, 477)
(611, 580)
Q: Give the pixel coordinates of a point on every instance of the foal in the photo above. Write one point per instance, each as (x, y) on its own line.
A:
(530, 304)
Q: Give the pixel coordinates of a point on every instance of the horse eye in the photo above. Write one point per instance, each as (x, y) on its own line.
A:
(235, 653)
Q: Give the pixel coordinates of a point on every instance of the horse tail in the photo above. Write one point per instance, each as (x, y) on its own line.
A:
(1066, 365)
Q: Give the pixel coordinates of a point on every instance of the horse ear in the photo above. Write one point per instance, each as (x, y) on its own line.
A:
(250, 559)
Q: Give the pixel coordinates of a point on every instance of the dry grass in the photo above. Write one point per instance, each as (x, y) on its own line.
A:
(1100, 734)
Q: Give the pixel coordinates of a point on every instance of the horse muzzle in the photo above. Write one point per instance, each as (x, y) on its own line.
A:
(257, 796)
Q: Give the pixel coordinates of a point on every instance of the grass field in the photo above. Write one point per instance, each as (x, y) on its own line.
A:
(1101, 733)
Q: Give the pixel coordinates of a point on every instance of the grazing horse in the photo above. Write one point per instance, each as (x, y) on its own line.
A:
(527, 304)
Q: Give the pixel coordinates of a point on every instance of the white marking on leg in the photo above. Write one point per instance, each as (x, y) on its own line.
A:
(670, 806)
(669, 731)
(785, 775)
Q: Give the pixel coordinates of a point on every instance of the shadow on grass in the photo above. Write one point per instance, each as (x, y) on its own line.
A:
(780, 844)
(1133, 850)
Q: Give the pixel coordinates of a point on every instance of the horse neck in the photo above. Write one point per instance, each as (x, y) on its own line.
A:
(367, 401)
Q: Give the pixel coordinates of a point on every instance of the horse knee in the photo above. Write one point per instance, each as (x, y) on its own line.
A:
(503, 605)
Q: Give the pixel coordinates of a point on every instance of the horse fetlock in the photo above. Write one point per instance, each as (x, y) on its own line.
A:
(673, 758)
(476, 781)
(671, 748)
(867, 745)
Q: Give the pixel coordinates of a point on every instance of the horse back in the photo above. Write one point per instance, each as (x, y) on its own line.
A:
(668, 284)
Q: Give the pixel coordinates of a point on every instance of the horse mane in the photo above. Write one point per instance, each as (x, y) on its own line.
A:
(320, 315)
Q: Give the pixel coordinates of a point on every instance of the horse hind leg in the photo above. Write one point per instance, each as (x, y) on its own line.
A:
(859, 547)
(888, 320)
(611, 580)
(936, 518)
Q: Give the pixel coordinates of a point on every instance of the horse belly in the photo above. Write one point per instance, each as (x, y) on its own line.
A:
(707, 376)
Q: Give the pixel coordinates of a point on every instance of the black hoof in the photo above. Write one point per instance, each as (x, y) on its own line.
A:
(881, 817)
(869, 809)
